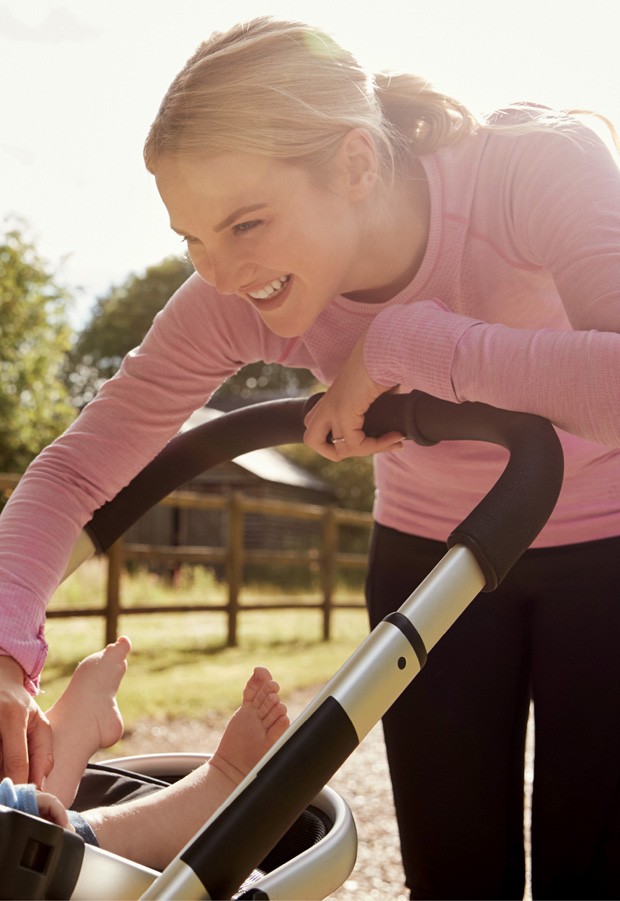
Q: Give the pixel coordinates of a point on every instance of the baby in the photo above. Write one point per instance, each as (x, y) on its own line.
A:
(150, 830)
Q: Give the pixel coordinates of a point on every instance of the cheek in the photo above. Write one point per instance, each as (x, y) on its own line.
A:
(294, 235)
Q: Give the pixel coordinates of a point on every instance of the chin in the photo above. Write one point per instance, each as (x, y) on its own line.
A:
(287, 326)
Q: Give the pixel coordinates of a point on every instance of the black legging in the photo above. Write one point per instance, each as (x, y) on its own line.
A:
(456, 737)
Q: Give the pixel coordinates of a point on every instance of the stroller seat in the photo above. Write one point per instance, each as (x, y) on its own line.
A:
(313, 858)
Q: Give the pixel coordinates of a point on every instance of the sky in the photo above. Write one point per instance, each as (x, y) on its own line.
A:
(81, 80)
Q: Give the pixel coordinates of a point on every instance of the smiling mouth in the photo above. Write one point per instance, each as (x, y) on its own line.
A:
(270, 290)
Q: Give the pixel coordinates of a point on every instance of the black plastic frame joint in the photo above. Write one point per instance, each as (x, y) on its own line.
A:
(411, 634)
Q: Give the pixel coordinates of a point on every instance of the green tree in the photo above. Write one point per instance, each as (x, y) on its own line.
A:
(117, 324)
(35, 336)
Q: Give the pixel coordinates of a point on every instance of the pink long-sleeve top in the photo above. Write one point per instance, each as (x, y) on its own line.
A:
(516, 304)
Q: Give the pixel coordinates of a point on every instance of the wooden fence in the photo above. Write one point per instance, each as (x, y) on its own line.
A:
(233, 558)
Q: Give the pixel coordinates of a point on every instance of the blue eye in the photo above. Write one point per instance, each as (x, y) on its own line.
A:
(243, 227)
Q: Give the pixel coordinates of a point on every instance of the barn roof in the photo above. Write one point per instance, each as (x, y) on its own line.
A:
(267, 464)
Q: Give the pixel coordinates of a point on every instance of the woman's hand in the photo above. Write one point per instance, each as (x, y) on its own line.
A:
(339, 415)
(26, 736)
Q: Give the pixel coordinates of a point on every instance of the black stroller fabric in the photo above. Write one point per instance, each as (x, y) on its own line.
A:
(103, 785)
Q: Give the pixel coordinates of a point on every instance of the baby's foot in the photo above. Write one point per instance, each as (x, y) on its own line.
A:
(86, 717)
(88, 704)
(253, 728)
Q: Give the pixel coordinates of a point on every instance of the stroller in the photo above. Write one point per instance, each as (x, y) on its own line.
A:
(282, 833)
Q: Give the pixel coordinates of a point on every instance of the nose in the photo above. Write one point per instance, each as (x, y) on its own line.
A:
(224, 272)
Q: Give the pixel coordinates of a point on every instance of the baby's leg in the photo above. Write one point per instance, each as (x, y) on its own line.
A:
(253, 728)
(86, 717)
(153, 829)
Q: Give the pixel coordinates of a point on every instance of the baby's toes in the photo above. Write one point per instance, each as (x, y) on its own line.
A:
(276, 721)
(266, 697)
(265, 711)
(255, 683)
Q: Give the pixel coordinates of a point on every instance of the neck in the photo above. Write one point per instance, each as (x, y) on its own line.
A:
(396, 243)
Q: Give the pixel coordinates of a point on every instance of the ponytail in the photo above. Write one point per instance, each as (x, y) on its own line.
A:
(424, 119)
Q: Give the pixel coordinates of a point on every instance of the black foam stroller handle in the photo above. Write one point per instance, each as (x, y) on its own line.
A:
(506, 521)
(192, 452)
(498, 530)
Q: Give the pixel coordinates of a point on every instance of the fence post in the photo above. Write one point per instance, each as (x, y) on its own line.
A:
(234, 564)
(113, 590)
(328, 566)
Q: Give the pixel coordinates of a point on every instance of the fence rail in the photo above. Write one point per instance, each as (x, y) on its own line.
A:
(233, 558)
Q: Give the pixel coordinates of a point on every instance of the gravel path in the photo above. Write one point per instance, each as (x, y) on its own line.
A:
(363, 781)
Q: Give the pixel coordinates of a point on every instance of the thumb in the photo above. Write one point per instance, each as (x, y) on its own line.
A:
(40, 748)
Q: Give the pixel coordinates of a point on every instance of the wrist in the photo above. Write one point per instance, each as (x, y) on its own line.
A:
(11, 668)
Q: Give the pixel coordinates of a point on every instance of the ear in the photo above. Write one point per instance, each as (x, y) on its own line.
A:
(358, 164)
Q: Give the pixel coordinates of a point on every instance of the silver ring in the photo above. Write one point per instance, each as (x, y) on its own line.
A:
(339, 440)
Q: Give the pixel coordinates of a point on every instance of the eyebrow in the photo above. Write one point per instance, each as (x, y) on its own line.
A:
(229, 219)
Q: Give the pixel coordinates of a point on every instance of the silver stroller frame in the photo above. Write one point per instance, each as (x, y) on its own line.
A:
(481, 550)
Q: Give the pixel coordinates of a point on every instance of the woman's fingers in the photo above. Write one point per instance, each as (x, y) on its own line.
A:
(359, 445)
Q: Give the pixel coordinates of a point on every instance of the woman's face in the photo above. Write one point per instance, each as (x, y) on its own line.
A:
(266, 231)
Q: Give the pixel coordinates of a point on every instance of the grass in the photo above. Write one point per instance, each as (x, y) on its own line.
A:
(180, 666)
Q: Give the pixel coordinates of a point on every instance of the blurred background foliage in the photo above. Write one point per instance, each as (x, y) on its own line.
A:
(35, 338)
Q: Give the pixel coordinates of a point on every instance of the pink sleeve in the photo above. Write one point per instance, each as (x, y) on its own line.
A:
(564, 218)
(186, 355)
(571, 378)
(414, 346)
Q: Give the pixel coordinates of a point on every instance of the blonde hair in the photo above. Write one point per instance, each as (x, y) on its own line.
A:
(288, 91)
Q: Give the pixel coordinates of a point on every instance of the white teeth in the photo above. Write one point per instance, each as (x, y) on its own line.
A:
(269, 290)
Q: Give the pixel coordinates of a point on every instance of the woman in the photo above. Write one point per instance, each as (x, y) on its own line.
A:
(374, 232)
